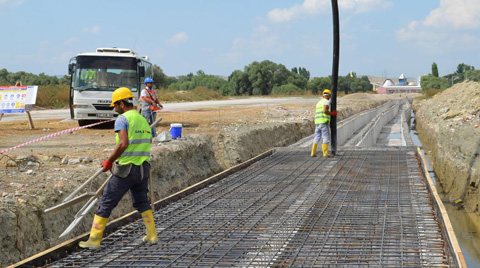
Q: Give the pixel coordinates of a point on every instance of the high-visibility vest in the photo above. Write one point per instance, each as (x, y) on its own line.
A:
(139, 135)
(90, 76)
(320, 116)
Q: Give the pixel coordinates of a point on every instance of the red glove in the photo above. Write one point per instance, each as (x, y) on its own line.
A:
(334, 113)
(107, 165)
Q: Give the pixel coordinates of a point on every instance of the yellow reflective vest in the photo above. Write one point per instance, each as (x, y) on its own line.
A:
(139, 135)
(90, 76)
(320, 116)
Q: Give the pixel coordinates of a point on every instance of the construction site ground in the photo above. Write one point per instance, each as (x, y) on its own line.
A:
(92, 145)
(39, 174)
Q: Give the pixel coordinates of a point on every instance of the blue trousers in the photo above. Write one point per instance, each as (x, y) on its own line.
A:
(117, 187)
(151, 117)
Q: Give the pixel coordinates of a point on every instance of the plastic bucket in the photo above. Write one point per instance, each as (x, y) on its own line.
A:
(176, 130)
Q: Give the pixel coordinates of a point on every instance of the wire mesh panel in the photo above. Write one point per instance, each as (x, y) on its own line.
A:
(362, 208)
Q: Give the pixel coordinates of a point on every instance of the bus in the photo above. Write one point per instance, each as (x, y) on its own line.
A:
(94, 77)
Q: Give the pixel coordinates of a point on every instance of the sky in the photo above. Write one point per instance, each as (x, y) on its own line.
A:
(383, 38)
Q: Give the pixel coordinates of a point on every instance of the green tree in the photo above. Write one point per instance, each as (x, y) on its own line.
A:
(303, 72)
(287, 89)
(298, 80)
(161, 80)
(472, 75)
(239, 84)
(462, 68)
(432, 82)
(318, 84)
(434, 69)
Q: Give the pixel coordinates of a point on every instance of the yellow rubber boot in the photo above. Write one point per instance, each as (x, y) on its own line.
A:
(151, 236)
(96, 233)
(325, 149)
(314, 149)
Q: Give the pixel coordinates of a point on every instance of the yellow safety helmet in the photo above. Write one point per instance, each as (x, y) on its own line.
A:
(327, 91)
(121, 93)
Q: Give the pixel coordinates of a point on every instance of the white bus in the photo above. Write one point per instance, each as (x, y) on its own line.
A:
(95, 75)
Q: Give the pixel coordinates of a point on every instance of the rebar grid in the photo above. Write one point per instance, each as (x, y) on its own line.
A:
(363, 208)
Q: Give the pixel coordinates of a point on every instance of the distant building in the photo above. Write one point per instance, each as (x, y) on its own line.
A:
(403, 86)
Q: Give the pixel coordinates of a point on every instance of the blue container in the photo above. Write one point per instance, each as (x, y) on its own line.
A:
(176, 130)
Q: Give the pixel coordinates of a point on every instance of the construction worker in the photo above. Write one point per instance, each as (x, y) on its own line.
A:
(90, 76)
(150, 103)
(131, 169)
(322, 122)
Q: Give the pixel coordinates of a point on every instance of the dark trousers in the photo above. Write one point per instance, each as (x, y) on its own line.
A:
(117, 187)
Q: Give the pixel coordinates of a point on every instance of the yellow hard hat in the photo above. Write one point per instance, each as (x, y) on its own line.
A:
(121, 93)
(327, 91)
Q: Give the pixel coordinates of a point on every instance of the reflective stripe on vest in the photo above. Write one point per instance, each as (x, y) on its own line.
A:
(320, 116)
(139, 135)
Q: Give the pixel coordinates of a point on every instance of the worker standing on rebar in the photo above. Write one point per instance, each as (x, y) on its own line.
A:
(130, 169)
(150, 104)
(322, 122)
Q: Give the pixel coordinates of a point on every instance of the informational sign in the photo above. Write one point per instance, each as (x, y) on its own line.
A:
(13, 99)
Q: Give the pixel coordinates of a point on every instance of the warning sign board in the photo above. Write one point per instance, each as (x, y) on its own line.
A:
(13, 99)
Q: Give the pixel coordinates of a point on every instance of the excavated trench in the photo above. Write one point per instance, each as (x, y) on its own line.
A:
(183, 163)
(370, 131)
(175, 165)
(448, 126)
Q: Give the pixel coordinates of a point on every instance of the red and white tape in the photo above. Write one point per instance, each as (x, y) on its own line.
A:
(53, 135)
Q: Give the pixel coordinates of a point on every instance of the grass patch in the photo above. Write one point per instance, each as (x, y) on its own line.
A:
(429, 93)
(53, 96)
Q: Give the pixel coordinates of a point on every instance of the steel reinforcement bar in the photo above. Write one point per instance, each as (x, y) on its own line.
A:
(362, 208)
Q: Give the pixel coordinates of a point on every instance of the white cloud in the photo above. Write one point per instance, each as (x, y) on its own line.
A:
(313, 7)
(363, 6)
(261, 44)
(178, 38)
(445, 28)
(459, 14)
(7, 5)
(93, 30)
(71, 41)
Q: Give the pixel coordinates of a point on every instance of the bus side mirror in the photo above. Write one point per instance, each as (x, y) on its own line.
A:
(142, 71)
(71, 66)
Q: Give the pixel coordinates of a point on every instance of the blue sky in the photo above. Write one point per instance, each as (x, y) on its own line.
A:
(378, 37)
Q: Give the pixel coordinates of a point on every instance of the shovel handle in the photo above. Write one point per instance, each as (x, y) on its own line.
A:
(94, 197)
(68, 198)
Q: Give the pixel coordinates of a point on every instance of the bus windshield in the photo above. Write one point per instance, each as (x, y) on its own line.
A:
(105, 73)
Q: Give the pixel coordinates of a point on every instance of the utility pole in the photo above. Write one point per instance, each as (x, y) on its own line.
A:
(336, 57)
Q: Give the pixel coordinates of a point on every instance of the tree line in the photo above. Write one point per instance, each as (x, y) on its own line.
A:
(463, 72)
(257, 78)
(262, 78)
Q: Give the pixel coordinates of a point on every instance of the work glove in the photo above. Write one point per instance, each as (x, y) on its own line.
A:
(107, 165)
(334, 113)
(159, 106)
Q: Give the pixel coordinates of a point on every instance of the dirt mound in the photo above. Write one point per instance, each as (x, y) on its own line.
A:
(449, 127)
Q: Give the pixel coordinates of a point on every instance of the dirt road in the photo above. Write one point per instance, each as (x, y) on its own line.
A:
(42, 114)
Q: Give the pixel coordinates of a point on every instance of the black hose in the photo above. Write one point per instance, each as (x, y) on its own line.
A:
(336, 57)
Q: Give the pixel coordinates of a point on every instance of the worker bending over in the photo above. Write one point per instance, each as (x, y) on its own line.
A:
(130, 172)
(322, 122)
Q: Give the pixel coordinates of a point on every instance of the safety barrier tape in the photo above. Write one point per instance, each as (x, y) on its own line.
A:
(53, 135)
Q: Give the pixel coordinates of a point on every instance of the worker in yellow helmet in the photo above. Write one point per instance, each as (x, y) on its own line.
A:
(322, 122)
(131, 170)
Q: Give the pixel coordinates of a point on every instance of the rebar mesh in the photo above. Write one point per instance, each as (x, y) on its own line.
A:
(362, 208)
